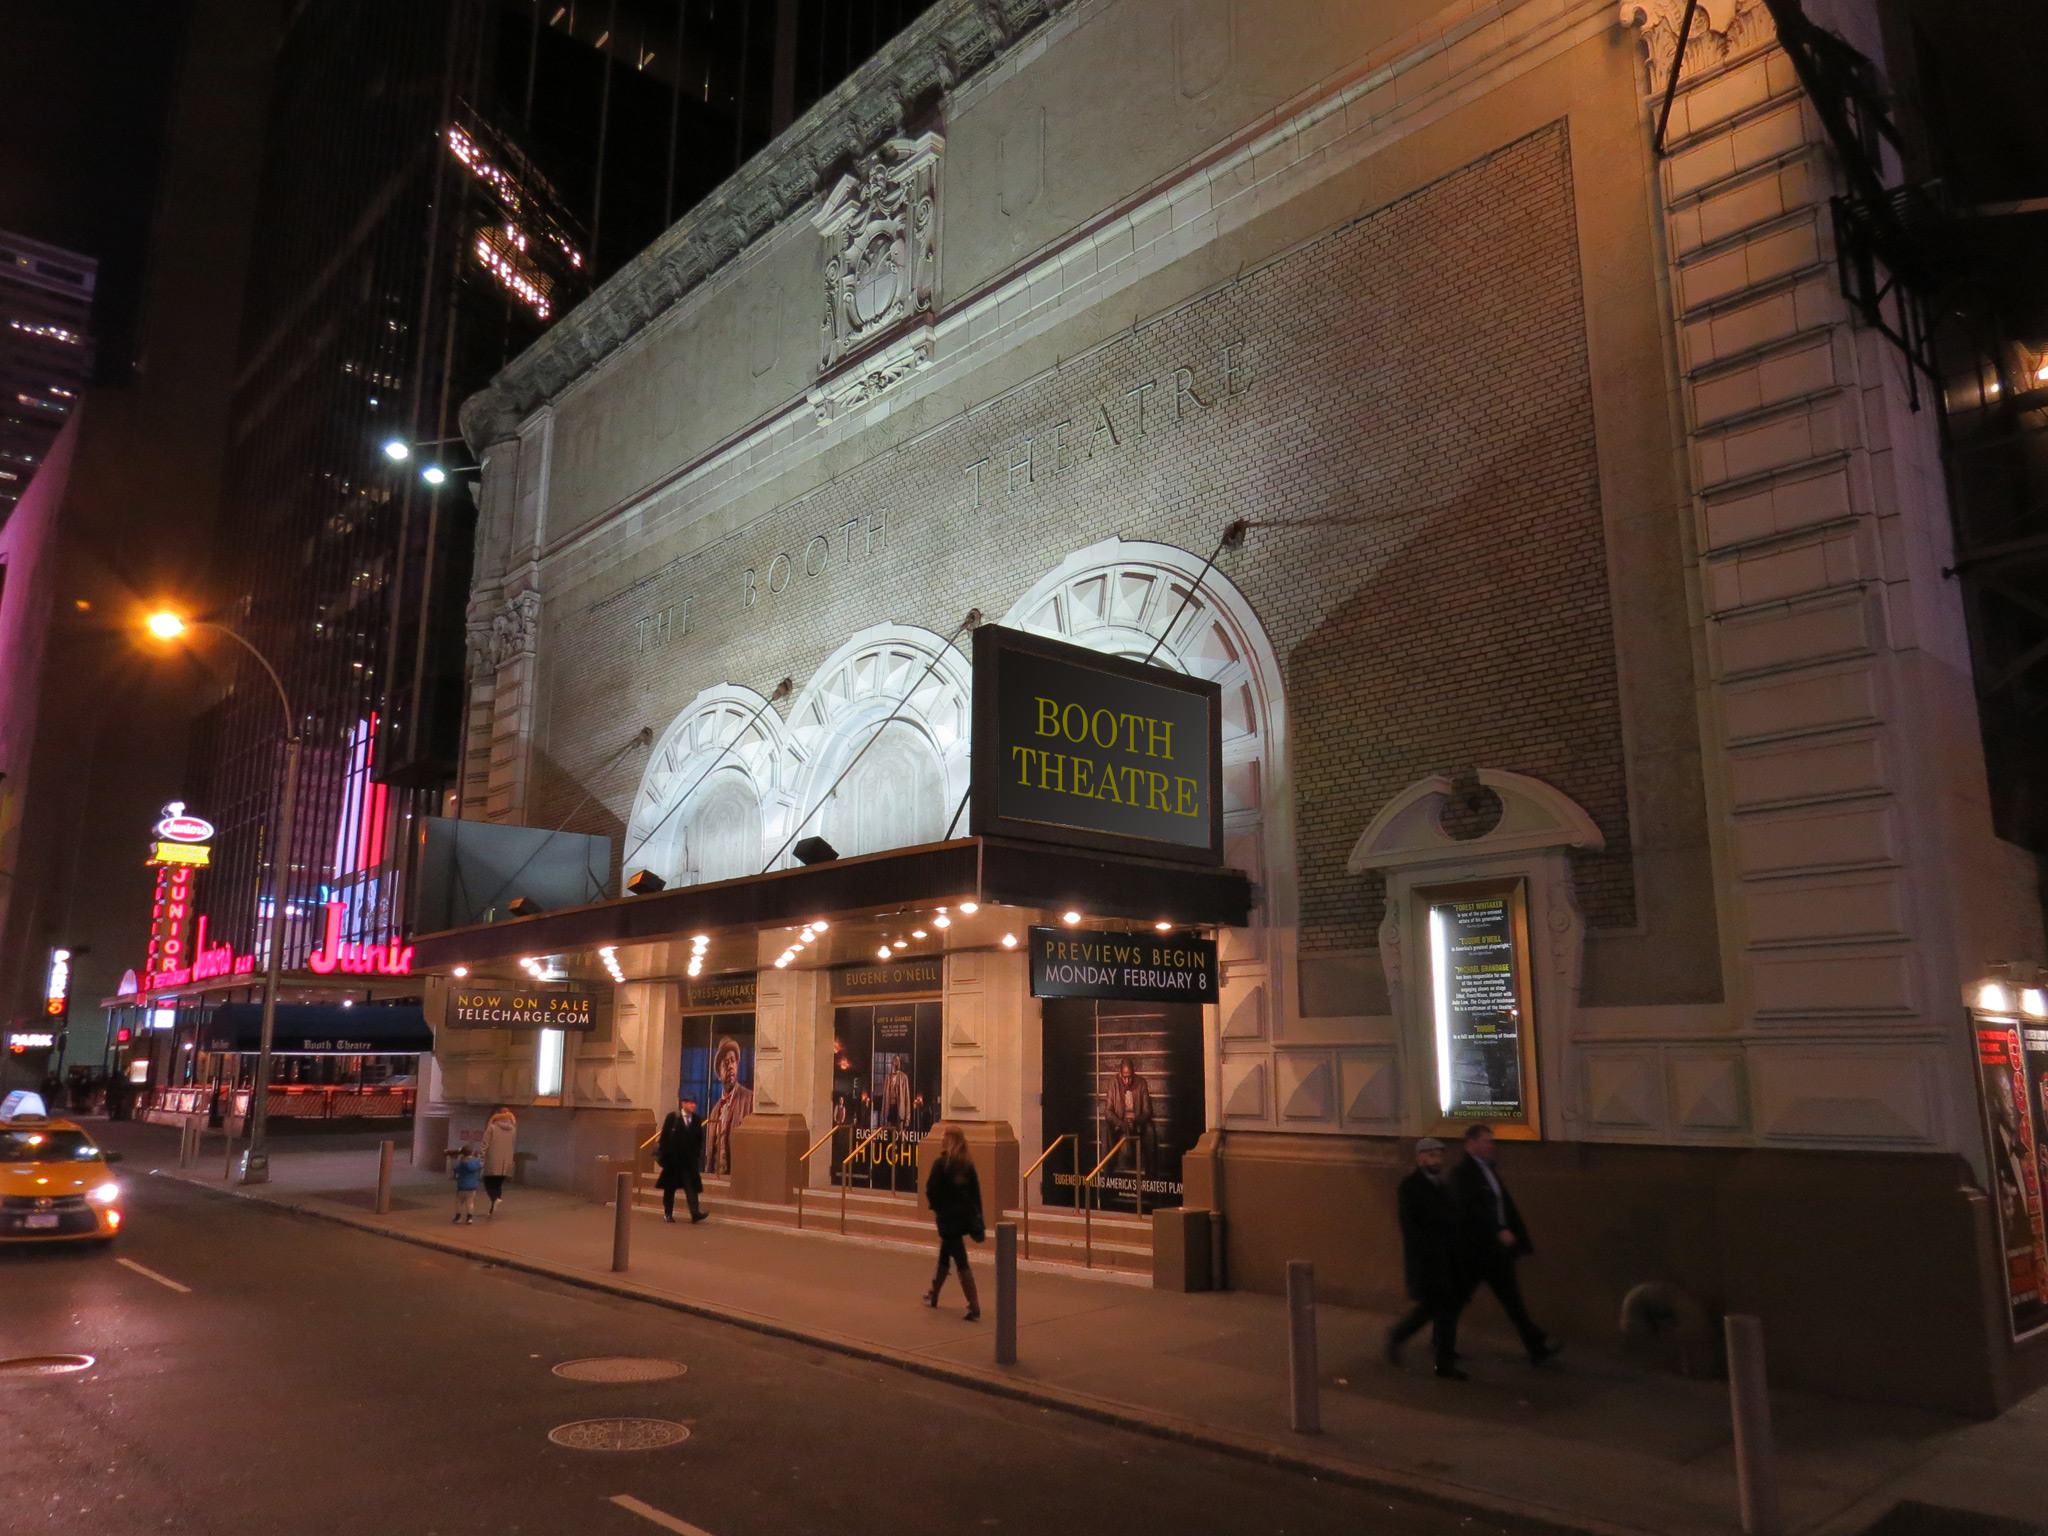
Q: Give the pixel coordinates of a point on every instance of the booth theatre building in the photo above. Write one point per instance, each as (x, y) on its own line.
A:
(1212, 588)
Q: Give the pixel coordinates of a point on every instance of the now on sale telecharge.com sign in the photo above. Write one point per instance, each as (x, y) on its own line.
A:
(512, 1008)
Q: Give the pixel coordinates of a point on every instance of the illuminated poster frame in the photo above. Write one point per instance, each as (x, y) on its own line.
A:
(1467, 1034)
(2012, 1095)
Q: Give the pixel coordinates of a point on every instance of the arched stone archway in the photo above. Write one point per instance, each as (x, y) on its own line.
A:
(900, 787)
(719, 764)
(1136, 598)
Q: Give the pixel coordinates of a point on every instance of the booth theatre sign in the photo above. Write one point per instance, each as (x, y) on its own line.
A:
(1123, 967)
(1072, 746)
(511, 1008)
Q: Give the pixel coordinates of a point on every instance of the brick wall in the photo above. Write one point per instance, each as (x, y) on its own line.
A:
(1414, 384)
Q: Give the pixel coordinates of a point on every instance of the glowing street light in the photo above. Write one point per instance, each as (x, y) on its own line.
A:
(397, 451)
(168, 625)
(434, 474)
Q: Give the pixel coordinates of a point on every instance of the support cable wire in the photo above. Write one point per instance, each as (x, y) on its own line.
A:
(973, 618)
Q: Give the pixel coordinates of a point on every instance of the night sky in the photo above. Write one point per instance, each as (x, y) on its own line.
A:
(88, 83)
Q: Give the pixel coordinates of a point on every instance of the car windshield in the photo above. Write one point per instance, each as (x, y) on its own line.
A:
(21, 1146)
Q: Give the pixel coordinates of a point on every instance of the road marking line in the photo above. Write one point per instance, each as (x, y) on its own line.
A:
(666, 1521)
(140, 1269)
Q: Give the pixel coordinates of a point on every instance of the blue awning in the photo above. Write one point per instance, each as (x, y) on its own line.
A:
(367, 1029)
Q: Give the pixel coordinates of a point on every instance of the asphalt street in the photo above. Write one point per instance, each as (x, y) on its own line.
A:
(266, 1372)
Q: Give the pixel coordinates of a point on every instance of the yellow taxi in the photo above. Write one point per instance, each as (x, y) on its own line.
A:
(54, 1184)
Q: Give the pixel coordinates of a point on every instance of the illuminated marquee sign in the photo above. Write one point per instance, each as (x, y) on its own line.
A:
(198, 855)
(169, 921)
(1073, 746)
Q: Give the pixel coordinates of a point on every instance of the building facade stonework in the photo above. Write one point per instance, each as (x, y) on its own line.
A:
(1587, 544)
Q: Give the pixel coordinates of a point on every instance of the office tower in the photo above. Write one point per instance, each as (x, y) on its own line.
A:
(45, 352)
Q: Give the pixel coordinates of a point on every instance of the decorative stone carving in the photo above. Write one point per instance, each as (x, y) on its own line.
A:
(880, 223)
(1721, 29)
(515, 630)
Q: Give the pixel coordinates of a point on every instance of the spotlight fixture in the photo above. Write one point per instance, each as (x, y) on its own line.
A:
(814, 850)
(968, 908)
(700, 940)
(1992, 998)
(821, 925)
(900, 944)
(782, 962)
(2034, 1003)
(434, 474)
(646, 882)
(1071, 918)
(524, 906)
(1009, 941)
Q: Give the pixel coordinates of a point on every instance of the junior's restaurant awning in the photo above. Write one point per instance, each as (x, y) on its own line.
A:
(364, 1030)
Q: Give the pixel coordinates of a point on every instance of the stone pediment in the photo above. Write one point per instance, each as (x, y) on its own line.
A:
(1412, 829)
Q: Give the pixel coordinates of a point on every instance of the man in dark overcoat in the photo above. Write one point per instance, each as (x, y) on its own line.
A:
(1432, 1252)
(680, 1152)
(1495, 1237)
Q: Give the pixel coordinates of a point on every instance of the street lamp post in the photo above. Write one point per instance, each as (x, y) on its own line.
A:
(255, 1160)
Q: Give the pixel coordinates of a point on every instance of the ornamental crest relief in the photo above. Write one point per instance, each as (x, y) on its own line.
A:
(881, 229)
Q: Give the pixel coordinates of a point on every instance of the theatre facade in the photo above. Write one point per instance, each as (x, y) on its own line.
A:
(1215, 588)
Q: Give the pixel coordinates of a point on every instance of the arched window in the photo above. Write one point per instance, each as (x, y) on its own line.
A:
(893, 798)
(724, 838)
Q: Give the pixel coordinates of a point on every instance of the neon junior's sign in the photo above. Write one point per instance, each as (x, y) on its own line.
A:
(177, 827)
(388, 959)
(207, 960)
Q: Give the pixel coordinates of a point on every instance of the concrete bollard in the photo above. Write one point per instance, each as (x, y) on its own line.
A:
(1006, 1293)
(622, 1224)
(228, 1148)
(383, 1178)
(1304, 1386)
(1749, 1402)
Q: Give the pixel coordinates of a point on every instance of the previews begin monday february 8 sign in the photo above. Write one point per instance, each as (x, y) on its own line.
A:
(1078, 747)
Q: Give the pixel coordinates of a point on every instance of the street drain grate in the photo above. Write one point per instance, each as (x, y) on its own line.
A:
(619, 1434)
(46, 1365)
(620, 1368)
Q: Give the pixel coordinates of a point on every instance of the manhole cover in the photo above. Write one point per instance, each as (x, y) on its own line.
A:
(619, 1434)
(620, 1368)
(46, 1365)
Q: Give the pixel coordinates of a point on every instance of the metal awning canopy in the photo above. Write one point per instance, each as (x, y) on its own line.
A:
(991, 871)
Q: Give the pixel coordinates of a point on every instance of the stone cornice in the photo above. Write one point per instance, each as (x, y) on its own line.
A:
(946, 46)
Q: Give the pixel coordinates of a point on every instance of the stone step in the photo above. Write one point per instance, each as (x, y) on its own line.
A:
(1121, 1242)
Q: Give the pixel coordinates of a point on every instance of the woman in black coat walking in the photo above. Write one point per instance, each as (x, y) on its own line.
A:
(953, 1191)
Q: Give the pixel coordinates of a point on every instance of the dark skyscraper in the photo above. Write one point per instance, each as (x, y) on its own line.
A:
(45, 352)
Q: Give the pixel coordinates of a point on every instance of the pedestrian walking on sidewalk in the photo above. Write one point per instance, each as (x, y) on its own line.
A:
(469, 1172)
(1432, 1252)
(1495, 1238)
(680, 1151)
(953, 1191)
(500, 1132)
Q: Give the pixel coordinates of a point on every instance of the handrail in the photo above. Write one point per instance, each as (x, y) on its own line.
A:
(803, 1172)
(845, 1177)
(1088, 1211)
(1024, 1180)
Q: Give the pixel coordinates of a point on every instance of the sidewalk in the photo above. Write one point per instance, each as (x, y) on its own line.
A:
(1588, 1442)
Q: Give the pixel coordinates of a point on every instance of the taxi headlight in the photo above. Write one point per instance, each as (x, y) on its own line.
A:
(106, 1194)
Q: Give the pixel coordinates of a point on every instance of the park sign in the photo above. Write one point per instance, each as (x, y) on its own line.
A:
(1074, 746)
(539, 1007)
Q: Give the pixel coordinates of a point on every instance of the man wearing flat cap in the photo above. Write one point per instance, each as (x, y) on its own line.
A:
(1432, 1237)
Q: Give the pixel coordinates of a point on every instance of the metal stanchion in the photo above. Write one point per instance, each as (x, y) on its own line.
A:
(1304, 1388)
(1749, 1402)
(383, 1178)
(228, 1147)
(1006, 1293)
(622, 1223)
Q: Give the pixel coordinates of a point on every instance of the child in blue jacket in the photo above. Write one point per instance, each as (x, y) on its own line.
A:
(469, 1173)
